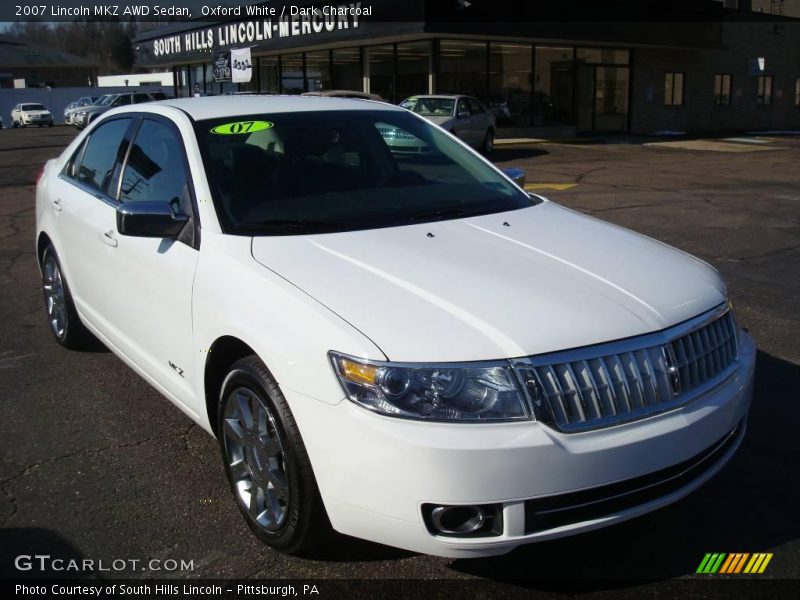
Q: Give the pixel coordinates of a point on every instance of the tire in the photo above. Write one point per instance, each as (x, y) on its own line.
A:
(65, 324)
(15, 124)
(487, 147)
(293, 520)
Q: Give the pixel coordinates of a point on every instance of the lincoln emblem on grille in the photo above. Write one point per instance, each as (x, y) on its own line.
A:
(673, 373)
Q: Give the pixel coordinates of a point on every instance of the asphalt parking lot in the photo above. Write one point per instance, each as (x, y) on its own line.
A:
(94, 463)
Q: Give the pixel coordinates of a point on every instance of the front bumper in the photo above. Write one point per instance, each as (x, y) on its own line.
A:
(375, 473)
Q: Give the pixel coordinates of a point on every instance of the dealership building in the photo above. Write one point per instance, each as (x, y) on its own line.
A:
(632, 66)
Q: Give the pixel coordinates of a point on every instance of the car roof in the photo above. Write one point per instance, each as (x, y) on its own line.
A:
(214, 107)
(442, 96)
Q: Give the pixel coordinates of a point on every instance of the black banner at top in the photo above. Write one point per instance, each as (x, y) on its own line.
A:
(181, 11)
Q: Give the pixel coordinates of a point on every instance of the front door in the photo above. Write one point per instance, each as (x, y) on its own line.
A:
(152, 298)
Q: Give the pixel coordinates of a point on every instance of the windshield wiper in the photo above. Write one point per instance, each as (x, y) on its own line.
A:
(277, 225)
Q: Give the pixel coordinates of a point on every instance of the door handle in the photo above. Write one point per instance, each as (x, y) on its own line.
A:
(109, 238)
(57, 205)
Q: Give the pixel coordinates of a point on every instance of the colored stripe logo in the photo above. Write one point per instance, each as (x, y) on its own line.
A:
(734, 563)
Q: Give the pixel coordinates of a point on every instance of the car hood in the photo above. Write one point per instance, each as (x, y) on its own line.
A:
(36, 112)
(512, 284)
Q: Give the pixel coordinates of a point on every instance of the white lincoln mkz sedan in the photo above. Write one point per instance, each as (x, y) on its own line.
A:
(406, 348)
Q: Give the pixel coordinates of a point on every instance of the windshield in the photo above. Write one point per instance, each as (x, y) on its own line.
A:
(430, 107)
(106, 100)
(328, 171)
(33, 107)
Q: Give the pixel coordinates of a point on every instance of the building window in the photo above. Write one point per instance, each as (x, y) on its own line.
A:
(722, 89)
(318, 71)
(673, 89)
(510, 82)
(293, 79)
(553, 86)
(462, 68)
(346, 72)
(413, 65)
(380, 60)
(269, 79)
(765, 90)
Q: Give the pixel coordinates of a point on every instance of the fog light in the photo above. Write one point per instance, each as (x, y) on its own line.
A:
(463, 520)
(457, 519)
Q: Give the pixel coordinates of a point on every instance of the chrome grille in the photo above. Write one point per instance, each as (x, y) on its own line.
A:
(614, 383)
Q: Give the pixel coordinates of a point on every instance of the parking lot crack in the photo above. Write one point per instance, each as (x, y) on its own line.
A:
(83, 452)
(12, 225)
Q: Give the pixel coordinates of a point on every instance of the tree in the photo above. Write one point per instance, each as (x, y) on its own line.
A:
(107, 43)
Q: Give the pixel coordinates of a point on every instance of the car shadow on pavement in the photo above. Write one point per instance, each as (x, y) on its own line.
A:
(343, 548)
(21, 545)
(750, 506)
(505, 154)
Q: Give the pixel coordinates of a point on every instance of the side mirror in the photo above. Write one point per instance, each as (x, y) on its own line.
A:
(463, 115)
(149, 219)
(516, 175)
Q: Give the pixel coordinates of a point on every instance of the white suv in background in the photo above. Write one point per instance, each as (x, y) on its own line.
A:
(407, 348)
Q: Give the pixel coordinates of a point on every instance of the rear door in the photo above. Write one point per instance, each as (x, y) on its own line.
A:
(85, 207)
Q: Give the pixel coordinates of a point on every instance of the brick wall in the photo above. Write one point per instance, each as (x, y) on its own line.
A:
(745, 41)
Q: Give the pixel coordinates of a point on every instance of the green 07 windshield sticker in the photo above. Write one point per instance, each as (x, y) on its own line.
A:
(239, 127)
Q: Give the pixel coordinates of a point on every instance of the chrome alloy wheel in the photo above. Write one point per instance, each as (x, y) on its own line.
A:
(55, 297)
(256, 458)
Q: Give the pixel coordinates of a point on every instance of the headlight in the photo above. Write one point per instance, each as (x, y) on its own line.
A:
(467, 392)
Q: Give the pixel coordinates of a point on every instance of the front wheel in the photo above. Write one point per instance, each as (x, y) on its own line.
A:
(266, 463)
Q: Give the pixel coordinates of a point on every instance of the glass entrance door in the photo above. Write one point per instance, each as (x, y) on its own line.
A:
(611, 99)
(602, 99)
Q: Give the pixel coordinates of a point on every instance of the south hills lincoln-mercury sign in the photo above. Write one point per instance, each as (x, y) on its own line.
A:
(295, 22)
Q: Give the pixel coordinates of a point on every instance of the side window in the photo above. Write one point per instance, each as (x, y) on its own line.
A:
(474, 107)
(138, 98)
(463, 107)
(103, 149)
(156, 169)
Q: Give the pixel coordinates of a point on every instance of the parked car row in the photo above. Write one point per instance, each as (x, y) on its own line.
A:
(79, 113)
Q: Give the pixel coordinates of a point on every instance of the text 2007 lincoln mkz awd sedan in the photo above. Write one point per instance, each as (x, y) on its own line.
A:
(405, 348)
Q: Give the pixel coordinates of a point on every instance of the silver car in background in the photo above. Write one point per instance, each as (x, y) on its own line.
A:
(463, 116)
(73, 107)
